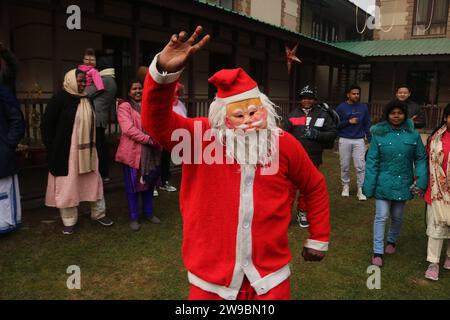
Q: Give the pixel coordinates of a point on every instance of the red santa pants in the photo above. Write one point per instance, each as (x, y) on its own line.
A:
(280, 292)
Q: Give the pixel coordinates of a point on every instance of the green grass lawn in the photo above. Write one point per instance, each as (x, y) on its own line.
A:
(117, 263)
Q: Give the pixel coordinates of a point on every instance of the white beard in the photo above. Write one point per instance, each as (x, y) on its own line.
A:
(249, 148)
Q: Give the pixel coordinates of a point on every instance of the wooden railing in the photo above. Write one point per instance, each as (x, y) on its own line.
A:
(433, 114)
(34, 109)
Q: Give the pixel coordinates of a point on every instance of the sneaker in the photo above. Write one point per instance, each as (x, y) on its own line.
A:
(167, 187)
(447, 263)
(390, 248)
(432, 272)
(377, 261)
(302, 219)
(105, 221)
(153, 219)
(68, 229)
(360, 195)
(134, 225)
(155, 193)
(345, 191)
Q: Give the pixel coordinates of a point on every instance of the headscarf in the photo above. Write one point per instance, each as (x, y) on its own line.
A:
(86, 133)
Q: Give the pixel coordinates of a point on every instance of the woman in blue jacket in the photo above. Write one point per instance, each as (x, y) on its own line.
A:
(396, 151)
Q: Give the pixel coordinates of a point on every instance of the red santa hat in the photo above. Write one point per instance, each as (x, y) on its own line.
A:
(234, 85)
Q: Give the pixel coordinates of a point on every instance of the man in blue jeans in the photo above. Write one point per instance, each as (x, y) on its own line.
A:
(353, 128)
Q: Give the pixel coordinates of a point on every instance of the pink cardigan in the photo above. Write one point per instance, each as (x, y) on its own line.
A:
(132, 137)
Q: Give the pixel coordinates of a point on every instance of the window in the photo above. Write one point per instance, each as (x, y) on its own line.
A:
(430, 17)
(324, 29)
(228, 4)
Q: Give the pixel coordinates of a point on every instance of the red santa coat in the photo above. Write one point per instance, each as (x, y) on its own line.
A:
(235, 220)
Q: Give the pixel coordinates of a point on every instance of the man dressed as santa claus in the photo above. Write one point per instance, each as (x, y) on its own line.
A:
(236, 209)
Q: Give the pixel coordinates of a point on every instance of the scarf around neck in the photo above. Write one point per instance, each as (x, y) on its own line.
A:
(439, 180)
(150, 155)
(86, 133)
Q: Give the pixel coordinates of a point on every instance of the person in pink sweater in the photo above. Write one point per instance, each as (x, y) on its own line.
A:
(93, 77)
(140, 157)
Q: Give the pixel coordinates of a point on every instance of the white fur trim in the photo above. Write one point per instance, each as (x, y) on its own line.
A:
(264, 285)
(253, 93)
(317, 245)
(164, 77)
(223, 292)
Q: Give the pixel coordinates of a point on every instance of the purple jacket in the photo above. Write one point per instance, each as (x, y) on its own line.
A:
(132, 137)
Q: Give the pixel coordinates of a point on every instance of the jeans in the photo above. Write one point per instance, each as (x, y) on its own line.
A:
(384, 208)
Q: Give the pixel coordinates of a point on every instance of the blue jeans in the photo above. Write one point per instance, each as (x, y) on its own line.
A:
(384, 208)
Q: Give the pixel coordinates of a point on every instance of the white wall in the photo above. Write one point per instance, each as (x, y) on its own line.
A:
(267, 10)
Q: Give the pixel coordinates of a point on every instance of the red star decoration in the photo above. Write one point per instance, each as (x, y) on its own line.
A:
(291, 57)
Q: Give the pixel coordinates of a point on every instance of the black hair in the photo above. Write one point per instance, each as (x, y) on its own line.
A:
(353, 87)
(78, 71)
(396, 104)
(130, 84)
(444, 121)
(403, 85)
(104, 61)
(89, 52)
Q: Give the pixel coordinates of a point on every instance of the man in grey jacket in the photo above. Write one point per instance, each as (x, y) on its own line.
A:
(104, 104)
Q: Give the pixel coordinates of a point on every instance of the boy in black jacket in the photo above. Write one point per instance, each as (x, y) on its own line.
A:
(314, 127)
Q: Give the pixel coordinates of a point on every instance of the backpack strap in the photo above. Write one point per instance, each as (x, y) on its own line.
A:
(331, 112)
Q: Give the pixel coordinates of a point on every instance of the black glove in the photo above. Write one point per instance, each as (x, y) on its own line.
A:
(311, 133)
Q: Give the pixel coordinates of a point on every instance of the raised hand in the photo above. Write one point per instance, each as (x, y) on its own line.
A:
(179, 49)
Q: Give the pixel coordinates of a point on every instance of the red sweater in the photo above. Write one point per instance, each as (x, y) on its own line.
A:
(234, 220)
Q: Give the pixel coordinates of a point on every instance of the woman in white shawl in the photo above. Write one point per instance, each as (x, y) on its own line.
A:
(438, 196)
(68, 131)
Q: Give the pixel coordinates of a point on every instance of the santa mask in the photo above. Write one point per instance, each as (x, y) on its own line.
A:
(248, 115)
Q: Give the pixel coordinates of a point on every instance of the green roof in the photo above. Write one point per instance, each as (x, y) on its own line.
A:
(368, 48)
(382, 48)
(204, 2)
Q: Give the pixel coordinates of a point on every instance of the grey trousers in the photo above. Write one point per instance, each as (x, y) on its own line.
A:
(356, 149)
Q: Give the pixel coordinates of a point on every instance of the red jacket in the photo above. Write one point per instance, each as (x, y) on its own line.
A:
(235, 219)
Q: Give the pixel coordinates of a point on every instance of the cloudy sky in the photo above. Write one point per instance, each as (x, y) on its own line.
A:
(365, 4)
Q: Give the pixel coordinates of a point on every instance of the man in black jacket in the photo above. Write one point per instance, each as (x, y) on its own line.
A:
(403, 93)
(8, 68)
(12, 130)
(314, 127)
